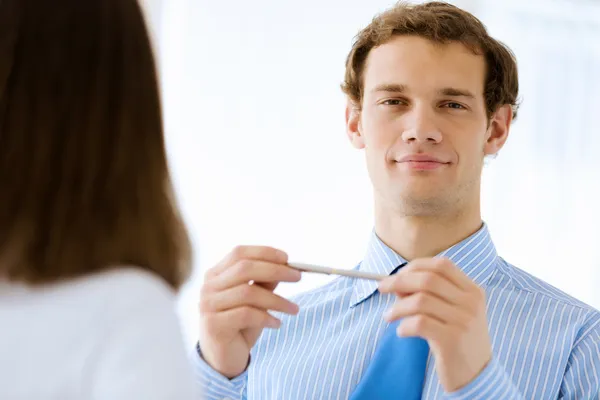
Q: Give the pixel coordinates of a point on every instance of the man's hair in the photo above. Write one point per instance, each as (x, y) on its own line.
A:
(441, 23)
(84, 179)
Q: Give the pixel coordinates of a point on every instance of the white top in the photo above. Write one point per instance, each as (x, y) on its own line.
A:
(113, 335)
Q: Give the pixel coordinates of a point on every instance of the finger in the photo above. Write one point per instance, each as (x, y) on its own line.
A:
(258, 271)
(442, 266)
(427, 305)
(267, 285)
(247, 295)
(263, 253)
(422, 281)
(421, 326)
(243, 318)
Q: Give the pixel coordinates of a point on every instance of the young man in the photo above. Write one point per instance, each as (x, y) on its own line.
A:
(430, 95)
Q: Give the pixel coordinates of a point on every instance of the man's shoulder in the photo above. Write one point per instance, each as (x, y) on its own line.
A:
(510, 277)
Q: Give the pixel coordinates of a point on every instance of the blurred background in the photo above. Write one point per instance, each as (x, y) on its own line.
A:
(255, 128)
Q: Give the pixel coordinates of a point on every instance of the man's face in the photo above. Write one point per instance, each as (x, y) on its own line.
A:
(423, 124)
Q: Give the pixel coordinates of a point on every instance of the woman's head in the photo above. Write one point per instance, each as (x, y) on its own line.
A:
(84, 181)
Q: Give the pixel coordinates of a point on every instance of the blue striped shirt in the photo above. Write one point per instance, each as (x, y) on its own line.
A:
(546, 344)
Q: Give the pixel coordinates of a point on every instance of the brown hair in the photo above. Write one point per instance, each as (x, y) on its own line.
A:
(84, 179)
(441, 23)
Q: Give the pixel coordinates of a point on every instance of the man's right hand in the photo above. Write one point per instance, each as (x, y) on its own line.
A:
(234, 300)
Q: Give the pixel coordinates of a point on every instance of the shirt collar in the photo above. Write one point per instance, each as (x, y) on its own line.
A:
(475, 256)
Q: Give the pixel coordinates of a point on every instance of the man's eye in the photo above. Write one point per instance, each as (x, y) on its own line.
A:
(454, 106)
(392, 102)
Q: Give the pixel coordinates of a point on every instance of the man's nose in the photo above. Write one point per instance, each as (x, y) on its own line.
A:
(420, 127)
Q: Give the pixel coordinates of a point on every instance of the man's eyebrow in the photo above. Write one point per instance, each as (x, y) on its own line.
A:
(389, 87)
(454, 92)
(399, 88)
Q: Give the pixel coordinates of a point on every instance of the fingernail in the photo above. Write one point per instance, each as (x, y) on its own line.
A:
(293, 309)
(282, 255)
(399, 331)
(387, 315)
(274, 323)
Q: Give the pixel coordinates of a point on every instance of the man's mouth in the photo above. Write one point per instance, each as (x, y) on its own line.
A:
(422, 162)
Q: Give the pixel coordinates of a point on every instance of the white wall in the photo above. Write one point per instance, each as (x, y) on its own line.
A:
(543, 193)
(255, 129)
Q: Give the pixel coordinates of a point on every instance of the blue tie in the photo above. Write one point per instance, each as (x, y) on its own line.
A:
(397, 370)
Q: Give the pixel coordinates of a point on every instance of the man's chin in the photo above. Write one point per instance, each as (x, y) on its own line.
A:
(423, 203)
(423, 194)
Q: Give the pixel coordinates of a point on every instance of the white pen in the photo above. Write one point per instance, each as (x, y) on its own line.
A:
(333, 271)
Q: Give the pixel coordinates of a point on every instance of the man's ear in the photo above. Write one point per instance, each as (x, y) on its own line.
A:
(353, 125)
(498, 130)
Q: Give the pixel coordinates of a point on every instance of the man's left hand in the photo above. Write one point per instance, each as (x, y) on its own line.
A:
(439, 303)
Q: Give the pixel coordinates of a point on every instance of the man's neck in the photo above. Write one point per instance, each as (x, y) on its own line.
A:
(425, 236)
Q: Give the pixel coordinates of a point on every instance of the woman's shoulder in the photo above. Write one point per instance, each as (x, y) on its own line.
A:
(123, 287)
(130, 279)
(117, 284)
(141, 347)
(114, 293)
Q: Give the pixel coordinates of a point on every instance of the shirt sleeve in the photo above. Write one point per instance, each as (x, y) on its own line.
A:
(582, 376)
(493, 383)
(215, 386)
(581, 379)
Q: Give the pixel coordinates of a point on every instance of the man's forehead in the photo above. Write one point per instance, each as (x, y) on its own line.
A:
(418, 63)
